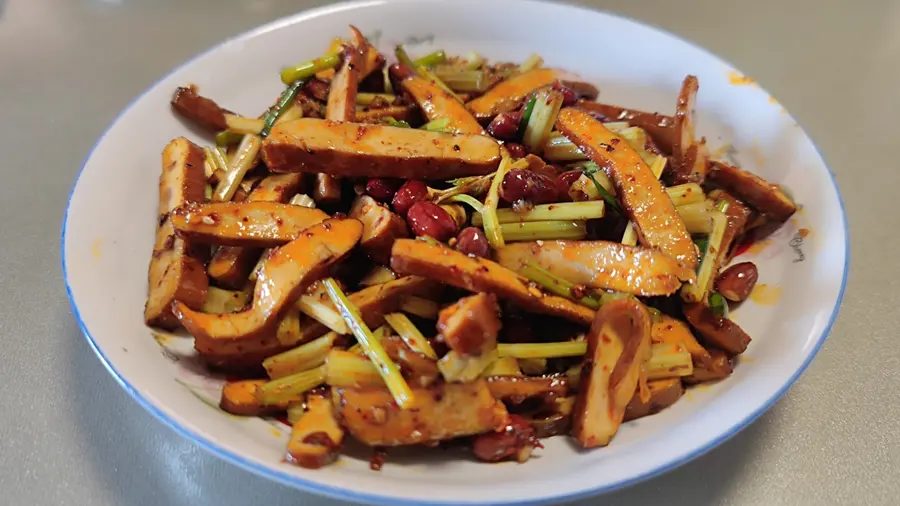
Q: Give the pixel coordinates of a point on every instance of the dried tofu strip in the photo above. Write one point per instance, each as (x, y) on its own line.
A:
(754, 190)
(437, 104)
(356, 150)
(231, 265)
(618, 347)
(442, 412)
(284, 277)
(176, 267)
(659, 127)
(657, 222)
(601, 264)
(690, 154)
(252, 224)
(480, 275)
(510, 94)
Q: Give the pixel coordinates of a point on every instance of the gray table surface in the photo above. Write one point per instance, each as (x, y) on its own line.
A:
(70, 435)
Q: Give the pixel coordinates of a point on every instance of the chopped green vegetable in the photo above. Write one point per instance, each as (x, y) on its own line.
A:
(718, 304)
(526, 115)
(410, 334)
(542, 230)
(489, 211)
(465, 81)
(368, 98)
(668, 360)
(543, 350)
(556, 285)
(403, 395)
(701, 242)
(432, 59)
(302, 358)
(403, 58)
(472, 202)
(610, 200)
(697, 291)
(244, 159)
(227, 138)
(394, 123)
(438, 125)
(286, 98)
(419, 306)
(564, 211)
(289, 387)
(309, 68)
(547, 104)
(533, 61)
(474, 61)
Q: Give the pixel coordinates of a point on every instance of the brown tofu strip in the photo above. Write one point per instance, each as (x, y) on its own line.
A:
(371, 60)
(618, 347)
(480, 275)
(176, 266)
(240, 398)
(719, 367)
(442, 412)
(416, 367)
(470, 326)
(754, 190)
(690, 155)
(316, 436)
(663, 393)
(437, 104)
(356, 150)
(659, 127)
(381, 228)
(285, 276)
(231, 265)
(199, 109)
(510, 94)
(342, 95)
(715, 330)
(252, 224)
(601, 264)
(672, 331)
(648, 206)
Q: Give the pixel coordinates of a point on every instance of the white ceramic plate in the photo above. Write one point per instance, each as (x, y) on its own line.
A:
(108, 236)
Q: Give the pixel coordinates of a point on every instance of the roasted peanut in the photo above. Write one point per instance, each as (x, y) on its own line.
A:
(736, 282)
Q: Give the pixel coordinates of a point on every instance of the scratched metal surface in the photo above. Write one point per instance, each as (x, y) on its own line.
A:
(70, 435)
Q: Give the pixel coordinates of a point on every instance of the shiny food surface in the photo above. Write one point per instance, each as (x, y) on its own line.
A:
(809, 449)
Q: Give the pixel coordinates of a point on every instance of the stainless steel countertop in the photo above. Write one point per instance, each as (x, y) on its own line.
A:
(70, 435)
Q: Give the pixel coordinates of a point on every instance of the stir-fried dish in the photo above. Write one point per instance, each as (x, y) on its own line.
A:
(445, 250)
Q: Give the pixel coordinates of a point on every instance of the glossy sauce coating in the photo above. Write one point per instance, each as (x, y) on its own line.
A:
(601, 264)
(357, 150)
(511, 93)
(656, 221)
(438, 104)
(255, 224)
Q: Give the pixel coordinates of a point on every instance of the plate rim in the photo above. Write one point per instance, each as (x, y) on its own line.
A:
(341, 493)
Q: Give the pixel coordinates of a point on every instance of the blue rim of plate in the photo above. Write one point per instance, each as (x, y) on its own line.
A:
(347, 495)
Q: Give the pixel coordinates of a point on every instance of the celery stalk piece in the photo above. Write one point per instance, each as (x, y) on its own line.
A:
(543, 230)
(403, 58)
(543, 350)
(532, 366)
(438, 125)
(244, 160)
(533, 61)
(556, 285)
(489, 211)
(526, 116)
(301, 358)
(547, 103)
(309, 68)
(418, 306)
(464, 368)
(302, 199)
(504, 366)
(684, 194)
(668, 360)
(470, 201)
(410, 334)
(322, 313)
(565, 211)
(227, 138)
(718, 304)
(474, 61)
(377, 276)
(464, 81)
(431, 59)
(697, 218)
(348, 369)
(243, 125)
(695, 292)
(403, 395)
(289, 387)
(560, 149)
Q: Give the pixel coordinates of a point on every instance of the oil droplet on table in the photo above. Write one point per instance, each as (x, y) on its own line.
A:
(738, 79)
(766, 295)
